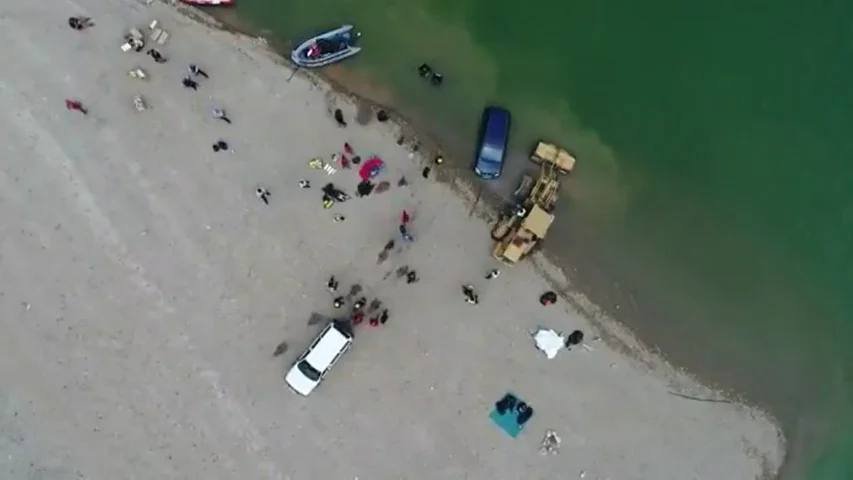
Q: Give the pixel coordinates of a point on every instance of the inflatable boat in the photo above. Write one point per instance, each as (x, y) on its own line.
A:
(327, 48)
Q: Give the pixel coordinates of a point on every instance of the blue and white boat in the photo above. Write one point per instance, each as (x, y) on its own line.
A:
(327, 48)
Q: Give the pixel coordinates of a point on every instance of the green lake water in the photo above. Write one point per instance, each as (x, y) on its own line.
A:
(713, 202)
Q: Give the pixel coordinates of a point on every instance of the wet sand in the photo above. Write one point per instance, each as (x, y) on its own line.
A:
(146, 288)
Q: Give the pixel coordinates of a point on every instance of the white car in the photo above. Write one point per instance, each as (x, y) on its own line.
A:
(310, 368)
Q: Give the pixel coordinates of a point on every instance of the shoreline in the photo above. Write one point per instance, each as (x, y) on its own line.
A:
(653, 369)
(486, 205)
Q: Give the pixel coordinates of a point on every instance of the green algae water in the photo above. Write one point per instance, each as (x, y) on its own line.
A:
(712, 209)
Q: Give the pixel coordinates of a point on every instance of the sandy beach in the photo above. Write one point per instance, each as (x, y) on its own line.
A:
(145, 288)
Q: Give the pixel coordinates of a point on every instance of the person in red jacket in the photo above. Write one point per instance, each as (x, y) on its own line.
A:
(75, 105)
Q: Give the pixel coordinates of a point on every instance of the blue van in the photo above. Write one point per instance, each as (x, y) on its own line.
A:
(491, 150)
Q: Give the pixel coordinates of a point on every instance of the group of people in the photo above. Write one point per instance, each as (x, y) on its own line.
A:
(404, 227)
(78, 23)
(374, 313)
(471, 295)
(189, 81)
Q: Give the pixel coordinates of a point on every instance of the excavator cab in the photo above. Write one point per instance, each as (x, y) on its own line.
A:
(532, 229)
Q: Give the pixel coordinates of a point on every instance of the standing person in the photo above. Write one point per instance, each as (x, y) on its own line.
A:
(338, 302)
(412, 277)
(75, 105)
(359, 304)
(189, 83)
(332, 284)
(493, 273)
(348, 149)
(374, 321)
(220, 114)
(470, 295)
(404, 218)
(195, 71)
(384, 317)
(357, 318)
(263, 194)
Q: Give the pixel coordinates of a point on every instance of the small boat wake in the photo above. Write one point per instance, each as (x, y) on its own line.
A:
(327, 48)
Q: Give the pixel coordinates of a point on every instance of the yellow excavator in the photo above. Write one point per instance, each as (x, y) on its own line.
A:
(526, 223)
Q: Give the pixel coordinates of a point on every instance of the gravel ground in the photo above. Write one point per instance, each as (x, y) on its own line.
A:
(144, 288)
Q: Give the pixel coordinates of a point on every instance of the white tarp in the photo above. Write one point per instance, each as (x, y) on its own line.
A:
(549, 342)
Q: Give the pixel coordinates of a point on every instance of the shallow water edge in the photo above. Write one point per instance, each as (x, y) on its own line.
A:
(369, 97)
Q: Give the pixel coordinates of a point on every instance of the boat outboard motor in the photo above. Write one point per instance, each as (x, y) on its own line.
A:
(424, 70)
(437, 79)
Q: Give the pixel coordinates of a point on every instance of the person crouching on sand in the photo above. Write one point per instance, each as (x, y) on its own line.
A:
(156, 55)
(189, 83)
(80, 23)
(339, 117)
